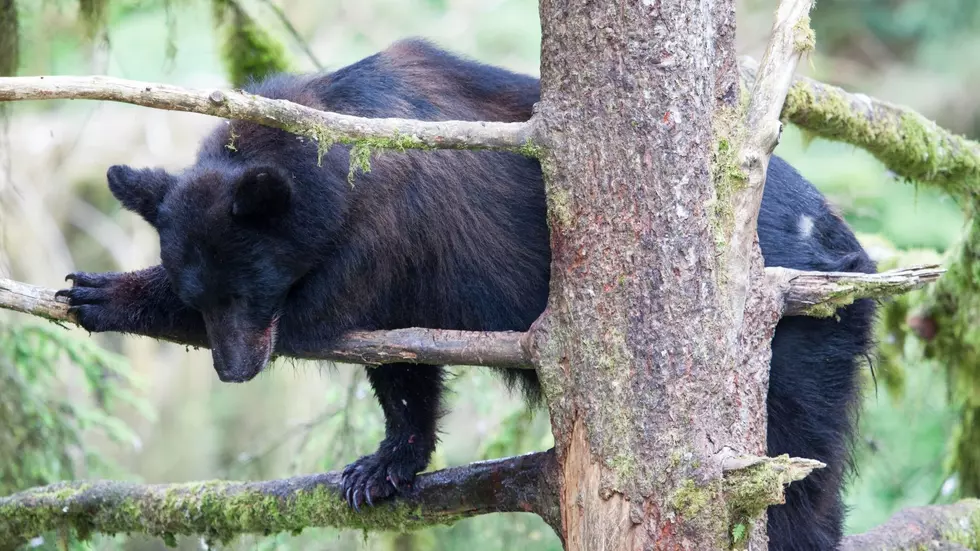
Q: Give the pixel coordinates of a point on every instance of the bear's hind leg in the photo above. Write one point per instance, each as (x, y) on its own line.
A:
(410, 396)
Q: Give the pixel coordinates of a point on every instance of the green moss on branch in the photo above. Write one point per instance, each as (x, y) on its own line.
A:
(221, 510)
(951, 308)
(805, 40)
(216, 510)
(750, 490)
(907, 143)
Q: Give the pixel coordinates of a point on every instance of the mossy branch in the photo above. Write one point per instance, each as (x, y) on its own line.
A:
(953, 527)
(754, 483)
(220, 510)
(805, 293)
(909, 144)
(325, 127)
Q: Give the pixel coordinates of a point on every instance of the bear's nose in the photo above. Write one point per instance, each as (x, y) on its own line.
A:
(239, 350)
(232, 365)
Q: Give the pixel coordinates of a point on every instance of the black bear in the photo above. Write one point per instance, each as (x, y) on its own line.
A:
(267, 253)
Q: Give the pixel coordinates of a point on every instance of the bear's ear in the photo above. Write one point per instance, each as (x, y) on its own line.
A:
(140, 191)
(262, 194)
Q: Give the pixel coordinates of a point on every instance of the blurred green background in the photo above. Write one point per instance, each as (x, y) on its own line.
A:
(155, 412)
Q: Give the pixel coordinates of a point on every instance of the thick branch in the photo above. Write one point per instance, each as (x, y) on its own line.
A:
(791, 38)
(805, 293)
(820, 294)
(223, 509)
(325, 127)
(953, 527)
(430, 346)
(909, 144)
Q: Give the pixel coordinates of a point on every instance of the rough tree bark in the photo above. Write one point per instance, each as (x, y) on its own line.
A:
(648, 391)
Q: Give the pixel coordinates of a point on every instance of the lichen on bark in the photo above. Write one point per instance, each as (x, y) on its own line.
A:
(806, 38)
(726, 172)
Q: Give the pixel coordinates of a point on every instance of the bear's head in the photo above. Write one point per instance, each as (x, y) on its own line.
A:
(228, 250)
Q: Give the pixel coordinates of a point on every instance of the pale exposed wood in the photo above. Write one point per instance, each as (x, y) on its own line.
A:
(820, 293)
(791, 38)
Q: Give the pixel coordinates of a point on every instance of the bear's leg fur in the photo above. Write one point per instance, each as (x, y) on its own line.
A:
(410, 396)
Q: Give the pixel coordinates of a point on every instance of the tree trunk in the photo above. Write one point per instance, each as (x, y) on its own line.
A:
(639, 350)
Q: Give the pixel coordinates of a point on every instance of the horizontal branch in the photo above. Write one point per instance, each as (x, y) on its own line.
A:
(951, 527)
(820, 294)
(909, 144)
(430, 346)
(220, 510)
(805, 293)
(325, 127)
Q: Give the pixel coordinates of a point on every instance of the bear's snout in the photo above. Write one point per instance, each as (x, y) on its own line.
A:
(239, 351)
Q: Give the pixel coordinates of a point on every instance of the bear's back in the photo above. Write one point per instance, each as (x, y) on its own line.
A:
(467, 214)
(449, 239)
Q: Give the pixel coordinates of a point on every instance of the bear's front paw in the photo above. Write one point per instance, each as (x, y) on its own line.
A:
(96, 301)
(379, 476)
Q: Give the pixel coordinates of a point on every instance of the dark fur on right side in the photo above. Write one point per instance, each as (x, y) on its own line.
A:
(262, 248)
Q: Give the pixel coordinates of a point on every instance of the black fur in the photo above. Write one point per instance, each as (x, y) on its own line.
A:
(266, 253)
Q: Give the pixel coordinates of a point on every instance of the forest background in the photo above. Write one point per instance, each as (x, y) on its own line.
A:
(155, 412)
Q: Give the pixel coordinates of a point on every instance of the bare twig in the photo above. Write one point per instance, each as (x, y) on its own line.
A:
(952, 527)
(325, 127)
(220, 510)
(34, 300)
(791, 38)
(909, 144)
(804, 293)
(819, 294)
